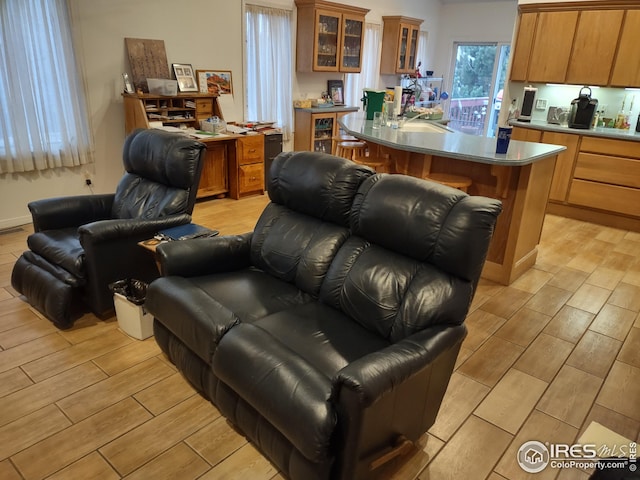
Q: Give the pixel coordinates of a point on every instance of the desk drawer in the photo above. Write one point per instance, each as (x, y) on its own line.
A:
(251, 149)
(204, 106)
(251, 177)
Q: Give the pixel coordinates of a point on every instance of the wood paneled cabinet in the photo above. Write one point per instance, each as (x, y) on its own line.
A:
(246, 173)
(333, 32)
(595, 179)
(214, 177)
(626, 69)
(551, 47)
(314, 130)
(399, 45)
(563, 43)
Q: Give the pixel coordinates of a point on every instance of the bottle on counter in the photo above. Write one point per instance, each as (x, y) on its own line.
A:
(638, 124)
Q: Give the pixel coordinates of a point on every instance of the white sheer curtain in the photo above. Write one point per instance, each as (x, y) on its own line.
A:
(43, 116)
(369, 76)
(269, 66)
(422, 51)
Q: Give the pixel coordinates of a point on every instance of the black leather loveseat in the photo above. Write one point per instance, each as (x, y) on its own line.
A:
(327, 335)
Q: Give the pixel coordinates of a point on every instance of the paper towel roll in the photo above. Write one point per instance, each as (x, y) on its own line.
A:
(397, 100)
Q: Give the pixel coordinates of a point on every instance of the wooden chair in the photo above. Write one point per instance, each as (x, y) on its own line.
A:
(351, 150)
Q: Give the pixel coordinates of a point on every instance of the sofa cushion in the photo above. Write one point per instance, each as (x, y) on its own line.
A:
(295, 248)
(318, 185)
(392, 294)
(60, 247)
(283, 364)
(426, 221)
(200, 310)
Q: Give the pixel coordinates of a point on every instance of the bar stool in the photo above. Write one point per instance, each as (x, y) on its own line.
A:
(341, 138)
(351, 150)
(456, 181)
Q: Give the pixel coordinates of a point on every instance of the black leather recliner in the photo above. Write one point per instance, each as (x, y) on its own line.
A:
(83, 243)
(329, 334)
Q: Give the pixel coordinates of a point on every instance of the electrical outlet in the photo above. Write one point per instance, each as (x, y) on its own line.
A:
(541, 104)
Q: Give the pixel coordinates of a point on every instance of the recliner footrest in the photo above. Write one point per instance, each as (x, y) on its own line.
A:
(48, 294)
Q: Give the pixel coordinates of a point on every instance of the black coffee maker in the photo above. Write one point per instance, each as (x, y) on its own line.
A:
(583, 110)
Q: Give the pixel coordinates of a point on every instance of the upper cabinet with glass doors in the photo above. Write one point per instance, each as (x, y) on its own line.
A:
(399, 45)
(330, 37)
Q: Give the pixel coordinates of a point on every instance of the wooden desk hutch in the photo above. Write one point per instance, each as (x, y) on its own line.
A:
(233, 164)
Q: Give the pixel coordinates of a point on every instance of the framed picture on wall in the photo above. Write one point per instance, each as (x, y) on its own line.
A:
(217, 82)
(335, 88)
(185, 77)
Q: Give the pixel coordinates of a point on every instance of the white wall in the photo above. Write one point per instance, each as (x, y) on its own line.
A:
(207, 34)
(471, 22)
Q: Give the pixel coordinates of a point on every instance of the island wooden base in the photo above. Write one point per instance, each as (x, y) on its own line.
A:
(523, 190)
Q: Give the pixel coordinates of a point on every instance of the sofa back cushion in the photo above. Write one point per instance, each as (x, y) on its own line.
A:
(162, 172)
(316, 184)
(415, 256)
(307, 221)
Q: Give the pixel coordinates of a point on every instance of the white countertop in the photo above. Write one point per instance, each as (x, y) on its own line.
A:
(614, 133)
(452, 145)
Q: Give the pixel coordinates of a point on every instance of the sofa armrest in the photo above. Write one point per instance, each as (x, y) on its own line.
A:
(373, 375)
(128, 228)
(202, 256)
(65, 212)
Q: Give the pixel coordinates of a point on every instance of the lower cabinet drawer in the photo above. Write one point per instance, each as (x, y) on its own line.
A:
(613, 198)
(251, 177)
(608, 169)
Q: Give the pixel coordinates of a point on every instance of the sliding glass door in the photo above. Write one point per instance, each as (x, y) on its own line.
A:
(480, 71)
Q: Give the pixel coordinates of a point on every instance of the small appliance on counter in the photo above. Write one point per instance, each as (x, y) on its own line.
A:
(527, 104)
(557, 115)
(583, 110)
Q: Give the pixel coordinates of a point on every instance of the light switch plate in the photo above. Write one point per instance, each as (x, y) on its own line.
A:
(541, 104)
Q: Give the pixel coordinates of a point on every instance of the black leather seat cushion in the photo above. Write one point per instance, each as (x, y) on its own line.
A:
(200, 310)
(60, 247)
(297, 351)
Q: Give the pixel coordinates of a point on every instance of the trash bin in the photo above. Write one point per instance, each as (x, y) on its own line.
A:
(128, 297)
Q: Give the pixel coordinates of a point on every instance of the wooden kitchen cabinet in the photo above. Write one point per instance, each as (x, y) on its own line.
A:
(551, 47)
(399, 45)
(522, 49)
(333, 32)
(626, 69)
(565, 163)
(315, 128)
(526, 134)
(594, 47)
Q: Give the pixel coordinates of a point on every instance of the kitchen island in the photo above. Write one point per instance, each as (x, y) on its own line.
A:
(521, 179)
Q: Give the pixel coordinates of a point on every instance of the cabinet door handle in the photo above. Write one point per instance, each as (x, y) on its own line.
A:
(252, 150)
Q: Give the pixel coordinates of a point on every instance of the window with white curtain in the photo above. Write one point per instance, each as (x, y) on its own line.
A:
(370, 73)
(43, 116)
(422, 51)
(268, 66)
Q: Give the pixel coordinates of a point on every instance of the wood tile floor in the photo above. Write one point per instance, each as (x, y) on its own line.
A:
(544, 357)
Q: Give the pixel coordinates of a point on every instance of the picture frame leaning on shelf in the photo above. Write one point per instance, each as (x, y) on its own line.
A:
(185, 77)
(217, 82)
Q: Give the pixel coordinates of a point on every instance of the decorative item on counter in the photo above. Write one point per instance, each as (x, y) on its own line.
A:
(302, 103)
(514, 113)
(397, 99)
(622, 120)
(503, 139)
